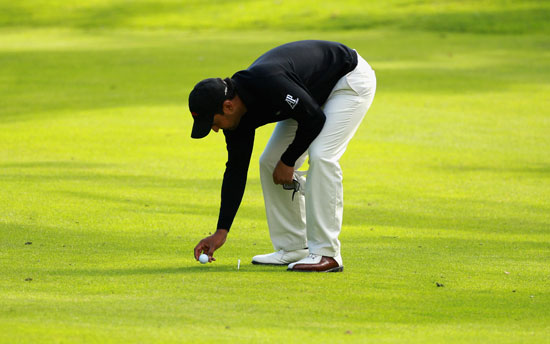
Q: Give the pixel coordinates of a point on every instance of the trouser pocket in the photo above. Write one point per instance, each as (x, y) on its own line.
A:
(300, 176)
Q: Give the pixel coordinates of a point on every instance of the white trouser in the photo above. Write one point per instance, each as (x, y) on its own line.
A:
(314, 218)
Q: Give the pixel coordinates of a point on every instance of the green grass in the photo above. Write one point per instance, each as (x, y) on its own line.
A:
(104, 195)
(485, 16)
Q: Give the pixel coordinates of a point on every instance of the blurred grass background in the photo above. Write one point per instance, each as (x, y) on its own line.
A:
(486, 16)
(104, 195)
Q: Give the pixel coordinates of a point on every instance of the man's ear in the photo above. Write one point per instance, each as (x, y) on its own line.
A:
(228, 106)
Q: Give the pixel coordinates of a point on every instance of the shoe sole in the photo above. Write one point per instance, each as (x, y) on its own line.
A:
(271, 264)
(336, 269)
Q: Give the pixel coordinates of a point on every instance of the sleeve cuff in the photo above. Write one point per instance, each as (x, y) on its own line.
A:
(288, 160)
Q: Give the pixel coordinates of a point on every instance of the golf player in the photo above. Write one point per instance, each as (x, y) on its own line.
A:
(318, 93)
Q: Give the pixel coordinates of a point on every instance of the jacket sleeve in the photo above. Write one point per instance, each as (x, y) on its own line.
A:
(239, 150)
(296, 101)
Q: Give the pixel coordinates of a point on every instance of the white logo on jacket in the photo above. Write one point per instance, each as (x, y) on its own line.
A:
(291, 101)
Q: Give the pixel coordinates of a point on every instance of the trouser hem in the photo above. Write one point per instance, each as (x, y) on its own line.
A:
(290, 248)
(327, 252)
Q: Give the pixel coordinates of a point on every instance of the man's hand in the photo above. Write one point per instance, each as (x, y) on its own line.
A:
(283, 174)
(210, 244)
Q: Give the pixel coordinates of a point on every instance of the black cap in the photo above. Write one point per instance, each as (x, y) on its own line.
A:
(205, 101)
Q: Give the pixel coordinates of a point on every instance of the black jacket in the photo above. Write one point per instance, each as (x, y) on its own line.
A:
(291, 81)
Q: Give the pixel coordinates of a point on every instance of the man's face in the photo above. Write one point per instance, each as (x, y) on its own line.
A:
(225, 122)
(229, 120)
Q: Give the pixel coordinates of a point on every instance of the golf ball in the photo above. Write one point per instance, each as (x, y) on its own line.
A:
(203, 258)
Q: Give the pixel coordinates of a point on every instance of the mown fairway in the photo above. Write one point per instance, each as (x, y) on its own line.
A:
(103, 195)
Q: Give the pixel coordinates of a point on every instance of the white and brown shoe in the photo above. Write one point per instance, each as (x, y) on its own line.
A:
(281, 257)
(317, 263)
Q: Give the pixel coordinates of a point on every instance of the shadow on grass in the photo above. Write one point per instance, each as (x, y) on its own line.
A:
(463, 215)
(437, 213)
(151, 205)
(197, 269)
(504, 21)
(106, 179)
(94, 253)
(508, 17)
(64, 164)
(537, 169)
(125, 191)
(44, 82)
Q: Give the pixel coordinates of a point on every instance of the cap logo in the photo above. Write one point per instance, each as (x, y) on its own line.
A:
(225, 91)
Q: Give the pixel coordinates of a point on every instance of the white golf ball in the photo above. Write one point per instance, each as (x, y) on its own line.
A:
(203, 258)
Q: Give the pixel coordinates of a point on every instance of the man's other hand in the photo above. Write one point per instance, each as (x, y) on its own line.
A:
(210, 244)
